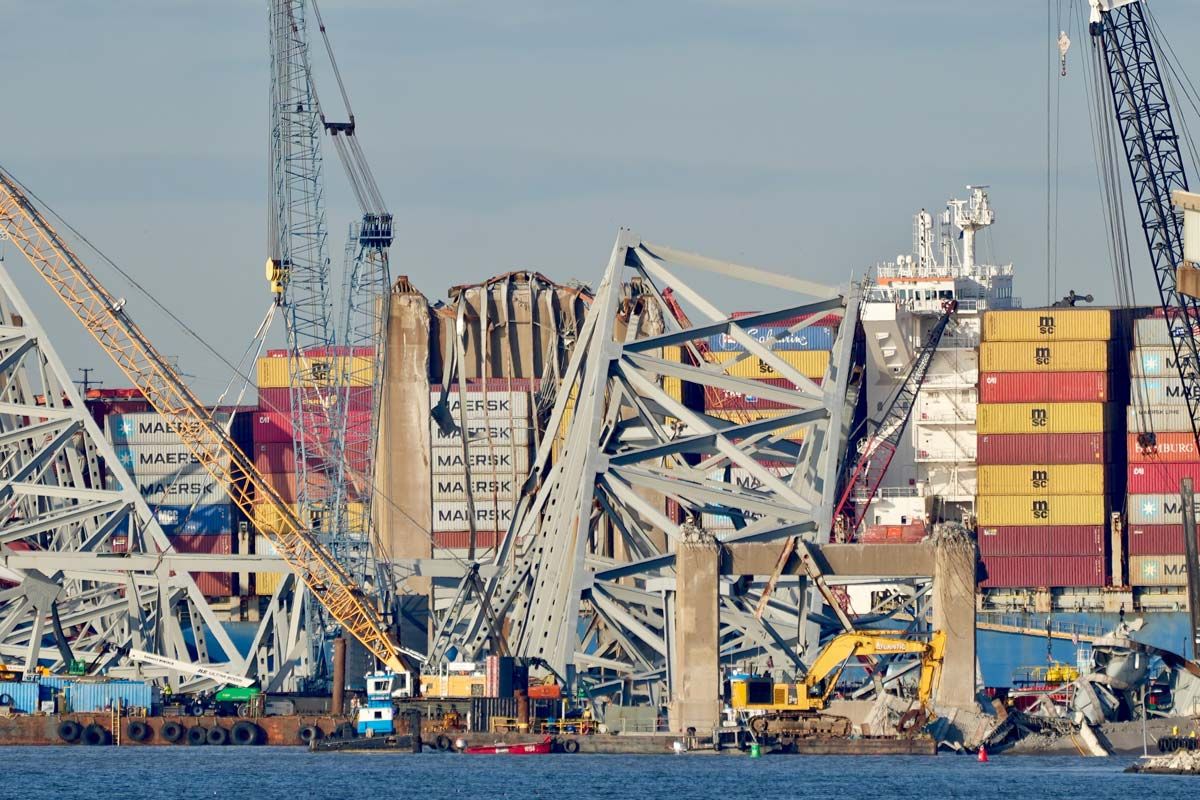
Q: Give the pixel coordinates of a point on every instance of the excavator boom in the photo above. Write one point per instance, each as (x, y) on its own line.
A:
(105, 319)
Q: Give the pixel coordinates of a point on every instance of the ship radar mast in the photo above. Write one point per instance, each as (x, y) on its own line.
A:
(971, 216)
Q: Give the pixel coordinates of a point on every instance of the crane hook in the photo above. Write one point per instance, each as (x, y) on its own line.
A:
(1064, 44)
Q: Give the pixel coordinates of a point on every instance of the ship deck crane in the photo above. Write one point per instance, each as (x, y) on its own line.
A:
(879, 446)
(105, 318)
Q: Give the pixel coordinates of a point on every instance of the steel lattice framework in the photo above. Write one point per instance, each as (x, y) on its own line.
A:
(70, 592)
(299, 243)
(584, 576)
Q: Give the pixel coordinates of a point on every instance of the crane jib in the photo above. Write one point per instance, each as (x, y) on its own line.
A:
(106, 319)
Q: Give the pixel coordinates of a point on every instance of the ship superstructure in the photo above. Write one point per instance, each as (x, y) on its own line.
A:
(933, 473)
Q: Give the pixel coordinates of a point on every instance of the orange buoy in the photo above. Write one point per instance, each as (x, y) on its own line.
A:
(982, 757)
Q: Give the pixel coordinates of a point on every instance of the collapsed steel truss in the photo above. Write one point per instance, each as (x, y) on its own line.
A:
(584, 577)
(69, 593)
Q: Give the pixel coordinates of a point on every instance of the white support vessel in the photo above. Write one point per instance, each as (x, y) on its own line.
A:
(933, 473)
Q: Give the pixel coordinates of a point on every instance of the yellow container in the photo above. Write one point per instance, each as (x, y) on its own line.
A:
(266, 583)
(674, 388)
(1041, 418)
(1043, 357)
(1048, 324)
(266, 518)
(1054, 509)
(809, 363)
(743, 416)
(1037, 479)
(273, 371)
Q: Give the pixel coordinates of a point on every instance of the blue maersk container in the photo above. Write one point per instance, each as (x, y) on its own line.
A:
(22, 696)
(103, 696)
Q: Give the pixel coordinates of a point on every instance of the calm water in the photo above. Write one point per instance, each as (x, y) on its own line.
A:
(68, 773)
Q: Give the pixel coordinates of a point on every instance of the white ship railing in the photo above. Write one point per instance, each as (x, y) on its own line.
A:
(889, 491)
(945, 455)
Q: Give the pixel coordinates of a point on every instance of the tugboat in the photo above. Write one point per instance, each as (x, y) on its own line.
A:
(377, 717)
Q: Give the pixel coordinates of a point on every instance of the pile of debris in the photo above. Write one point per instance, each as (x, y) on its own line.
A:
(1181, 762)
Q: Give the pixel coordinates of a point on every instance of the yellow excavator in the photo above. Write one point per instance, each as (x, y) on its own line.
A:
(795, 709)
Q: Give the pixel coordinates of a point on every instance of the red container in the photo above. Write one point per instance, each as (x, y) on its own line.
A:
(827, 321)
(1160, 478)
(211, 584)
(461, 540)
(1155, 540)
(493, 385)
(215, 544)
(271, 426)
(1043, 387)
(1042, 540)
(280, 400)
(1077, 571)
(1030, 572)
(1014, 572)
(1042, 448)
(274, 457)
(893, 534)
(1171, 448)
(722, 399)
(325, 352)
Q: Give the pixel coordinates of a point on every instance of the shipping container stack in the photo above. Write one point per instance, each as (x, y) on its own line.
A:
(500, 443)
(1044, 428)
(806, 349)
(1154, 533)
(194, 511)
(273, 450)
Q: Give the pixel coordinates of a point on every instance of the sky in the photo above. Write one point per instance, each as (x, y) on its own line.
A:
(795, 135)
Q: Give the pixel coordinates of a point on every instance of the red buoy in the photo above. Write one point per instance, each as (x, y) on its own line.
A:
(982, 757)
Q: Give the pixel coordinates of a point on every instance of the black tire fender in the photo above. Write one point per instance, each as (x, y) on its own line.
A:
(571, 746)
(247, 733)
(5, 699)
(171, 732)
(443, 742)
(197, 736)
(138, 731)
(309, 733)
(69, 731)
(95, 736)
(217, 736)
(1162, 745)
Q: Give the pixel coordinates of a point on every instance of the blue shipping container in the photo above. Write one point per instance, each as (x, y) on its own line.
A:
(811, 338)
(21, 696)
(103, 696)
(205, 518)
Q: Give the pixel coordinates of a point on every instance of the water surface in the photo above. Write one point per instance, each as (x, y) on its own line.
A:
(283, 773)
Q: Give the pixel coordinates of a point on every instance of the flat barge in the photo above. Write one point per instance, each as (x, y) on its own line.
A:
(328, 734)
(630, 744)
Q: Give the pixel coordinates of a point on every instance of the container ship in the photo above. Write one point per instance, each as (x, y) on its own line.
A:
(1025, 430)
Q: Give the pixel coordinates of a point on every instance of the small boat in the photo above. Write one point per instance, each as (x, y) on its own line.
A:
(503, 749)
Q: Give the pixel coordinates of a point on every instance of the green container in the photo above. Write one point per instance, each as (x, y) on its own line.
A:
(755, 750)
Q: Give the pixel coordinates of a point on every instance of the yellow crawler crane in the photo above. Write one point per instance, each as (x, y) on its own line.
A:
(795, 709)
(104, 317)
